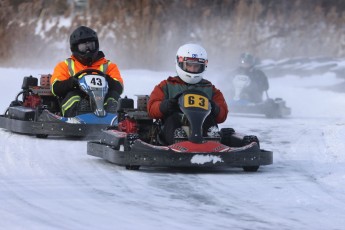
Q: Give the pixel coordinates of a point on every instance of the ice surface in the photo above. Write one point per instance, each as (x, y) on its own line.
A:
(53, 184)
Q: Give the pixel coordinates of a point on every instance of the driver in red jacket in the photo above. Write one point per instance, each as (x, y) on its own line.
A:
(85, 55)
(191, 63)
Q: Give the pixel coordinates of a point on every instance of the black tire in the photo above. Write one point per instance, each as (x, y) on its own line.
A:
(227, 131)
(43, 136)
(250, 168)
(272, 110)
(132, 167)
(275, 114)
(225, 136)
(249, 139)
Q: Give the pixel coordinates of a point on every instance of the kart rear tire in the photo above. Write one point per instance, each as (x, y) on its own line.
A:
(132, 167)
(250, 168)
(226, 135)
(273, 111)
(274, 114)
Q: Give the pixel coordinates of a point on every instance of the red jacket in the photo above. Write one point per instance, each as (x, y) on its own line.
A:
(172, 86)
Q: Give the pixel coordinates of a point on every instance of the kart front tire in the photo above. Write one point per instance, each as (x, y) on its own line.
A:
(250, 168)
(132, 167)
(42, 136)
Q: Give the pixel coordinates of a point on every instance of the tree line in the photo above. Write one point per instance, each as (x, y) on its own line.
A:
(147, 33)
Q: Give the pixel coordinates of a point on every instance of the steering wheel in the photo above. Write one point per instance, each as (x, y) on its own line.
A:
(89, 71)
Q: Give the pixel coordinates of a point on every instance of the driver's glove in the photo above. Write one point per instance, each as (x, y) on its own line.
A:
(114, 85)
(169, 106)
(72, 83)
(214, 108)
(109, 79)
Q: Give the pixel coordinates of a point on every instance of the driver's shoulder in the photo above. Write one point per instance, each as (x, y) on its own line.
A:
(174, 80)
(205, 82)
(101, 61)
(62, 66)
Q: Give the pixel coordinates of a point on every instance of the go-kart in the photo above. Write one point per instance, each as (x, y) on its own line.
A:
(241, 104)
(135, 141)
(271, 108)
(39, 111)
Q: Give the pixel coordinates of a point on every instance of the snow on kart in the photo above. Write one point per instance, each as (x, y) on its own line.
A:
(38, 113)
(136, 142)
(271, 108)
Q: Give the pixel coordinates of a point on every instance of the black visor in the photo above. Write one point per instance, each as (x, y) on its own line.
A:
(87, 46)
(192, 65)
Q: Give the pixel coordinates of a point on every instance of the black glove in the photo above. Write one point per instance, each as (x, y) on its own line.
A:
(61, 88)
(214, 108)
(72, 83)
(109, 79)
(168, 106)
(113, 84)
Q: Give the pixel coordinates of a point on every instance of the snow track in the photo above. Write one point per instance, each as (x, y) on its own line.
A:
(53, 184)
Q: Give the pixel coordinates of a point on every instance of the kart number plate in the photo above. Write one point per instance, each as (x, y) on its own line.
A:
(95, 81)
(195, 101)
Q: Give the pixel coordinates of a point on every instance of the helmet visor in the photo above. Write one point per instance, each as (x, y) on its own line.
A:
(192, 65)
(87, 46)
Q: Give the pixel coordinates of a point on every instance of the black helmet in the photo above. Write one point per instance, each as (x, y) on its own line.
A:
(247, 60)
(87, 52)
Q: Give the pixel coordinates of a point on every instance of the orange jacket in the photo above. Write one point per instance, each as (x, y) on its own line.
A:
(62, 72)
(174, 85)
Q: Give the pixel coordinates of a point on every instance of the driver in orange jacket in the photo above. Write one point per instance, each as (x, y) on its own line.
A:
(85, 55)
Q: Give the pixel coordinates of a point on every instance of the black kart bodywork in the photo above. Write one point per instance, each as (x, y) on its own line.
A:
(44, 128)
(118, 151)
(136, 141)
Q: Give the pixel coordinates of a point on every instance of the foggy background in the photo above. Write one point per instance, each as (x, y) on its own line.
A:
(147, 33)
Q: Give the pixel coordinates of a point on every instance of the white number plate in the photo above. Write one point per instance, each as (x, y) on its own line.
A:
(95, 81)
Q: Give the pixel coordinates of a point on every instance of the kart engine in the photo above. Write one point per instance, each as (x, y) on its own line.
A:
(135, 121)
(35, 95)
(128, 126)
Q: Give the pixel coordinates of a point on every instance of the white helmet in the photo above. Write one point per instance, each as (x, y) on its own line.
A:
(191, 63)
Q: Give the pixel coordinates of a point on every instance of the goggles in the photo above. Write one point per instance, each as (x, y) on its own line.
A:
(87, 46)
(192, 65)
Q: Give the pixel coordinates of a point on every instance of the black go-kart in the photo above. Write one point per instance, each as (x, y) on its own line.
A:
(39, 112)
(241, 105)
(135, 141)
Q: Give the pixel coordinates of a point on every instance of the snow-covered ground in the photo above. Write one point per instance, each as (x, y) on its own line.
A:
(53, 184)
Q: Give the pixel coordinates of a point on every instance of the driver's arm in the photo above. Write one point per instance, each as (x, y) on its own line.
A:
(218, 98)
(61, 83)
(262, 80)
(156, 98)
(115, 80)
